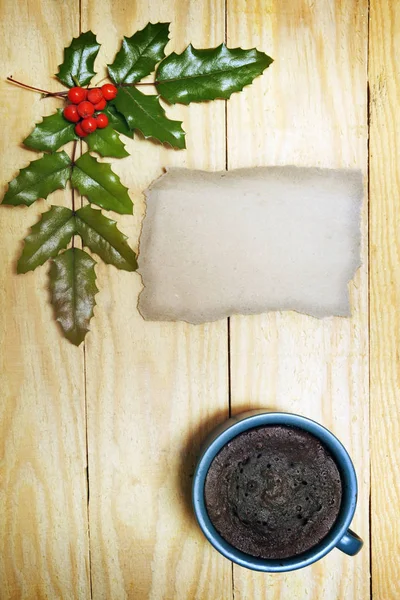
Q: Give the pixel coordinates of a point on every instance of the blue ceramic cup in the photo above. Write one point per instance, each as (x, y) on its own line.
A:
(340, 536)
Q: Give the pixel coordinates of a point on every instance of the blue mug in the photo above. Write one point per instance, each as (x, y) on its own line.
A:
(340, 536)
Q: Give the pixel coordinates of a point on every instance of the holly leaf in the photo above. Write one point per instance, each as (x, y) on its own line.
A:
(39, 179)
(100, 185)
(50, 235)
(117, 121)
(106, 142)
(79, 57)
(104, 239)
(139, 54)
(146, 114)
(73, 289)
(200, 75)
(54, 131)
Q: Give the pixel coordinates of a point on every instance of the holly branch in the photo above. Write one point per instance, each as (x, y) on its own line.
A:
(99, 116)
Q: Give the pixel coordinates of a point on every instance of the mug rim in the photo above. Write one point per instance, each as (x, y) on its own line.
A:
(249, 420)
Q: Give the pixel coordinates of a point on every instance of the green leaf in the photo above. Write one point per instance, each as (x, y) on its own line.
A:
(146, 114)
(54, 131)
(200, 75)
(104, 239)
(106, 142)
(139, 54)
(100, 185)
(73, 289)
(117, 121)
(52, 233)
(79, 60)
(39, 179)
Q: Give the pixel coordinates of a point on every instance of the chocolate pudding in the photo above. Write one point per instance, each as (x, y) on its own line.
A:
(273, 491)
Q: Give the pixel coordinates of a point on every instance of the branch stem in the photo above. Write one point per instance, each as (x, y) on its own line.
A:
(139, 83)
(35, 89)
(62, 94)
(72, 188)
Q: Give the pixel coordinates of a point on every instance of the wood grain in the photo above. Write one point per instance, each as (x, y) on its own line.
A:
(43, 512)
(153, 390)
(310, 108)
(384, 81)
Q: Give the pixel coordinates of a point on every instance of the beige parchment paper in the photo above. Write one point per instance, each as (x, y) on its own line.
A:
(249, 241)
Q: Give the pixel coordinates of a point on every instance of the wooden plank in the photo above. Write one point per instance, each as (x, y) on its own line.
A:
(384, 80)
(154, 390)
(44, 550)
(309, 109)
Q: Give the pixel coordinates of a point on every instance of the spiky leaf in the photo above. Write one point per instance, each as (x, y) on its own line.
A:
(100, 185)
(73, 289)
(139, 54)
(39, 179)
(117, 121)
(200, 75)
(79, 57)
(146, 114)
(104, 239)
(52, 133)
(50, 235)
(106, 142)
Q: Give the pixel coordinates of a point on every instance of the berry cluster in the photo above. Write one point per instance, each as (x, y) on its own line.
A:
(85, 108)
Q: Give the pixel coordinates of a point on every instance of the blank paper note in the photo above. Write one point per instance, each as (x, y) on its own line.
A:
(249, 241)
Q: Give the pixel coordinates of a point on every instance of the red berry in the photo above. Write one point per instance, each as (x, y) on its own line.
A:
(85, 109)
(95, 95)
(89, 125)
(100, 105)
(79, 131)
(70, 112)
(76, 95)
(109, 91)
(102, 121)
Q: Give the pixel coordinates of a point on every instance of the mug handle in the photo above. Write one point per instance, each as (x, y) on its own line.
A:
(350, 543)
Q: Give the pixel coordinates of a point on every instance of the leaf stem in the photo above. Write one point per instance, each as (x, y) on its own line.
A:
(35, 89)
(101, 81)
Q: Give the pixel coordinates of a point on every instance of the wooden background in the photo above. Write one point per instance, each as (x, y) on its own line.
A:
(98, 444)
